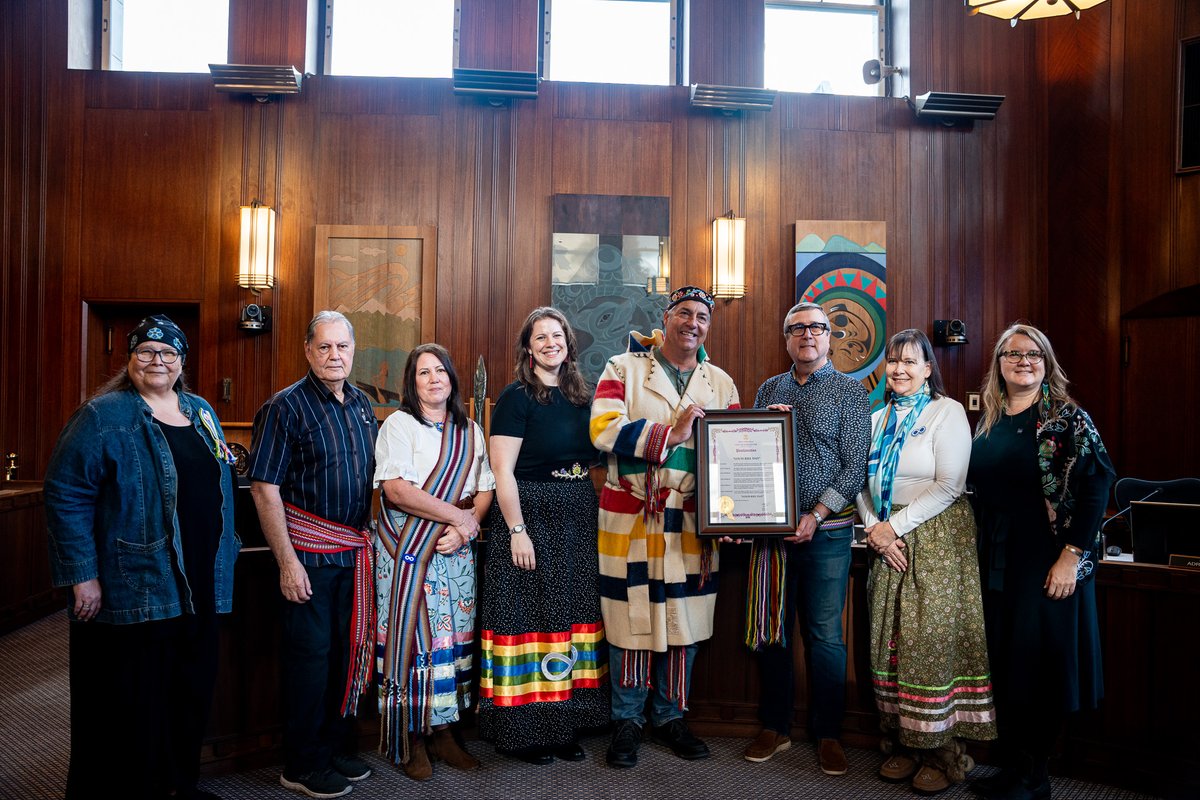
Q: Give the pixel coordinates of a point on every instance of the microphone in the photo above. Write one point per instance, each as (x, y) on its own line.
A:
(1126, 509)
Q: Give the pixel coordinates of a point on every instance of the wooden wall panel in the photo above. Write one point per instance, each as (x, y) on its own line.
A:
(499, 35)
(275, 32)
(611, 157)
(724, 42)
(145, 196)
(377, 171)
(1147, 174)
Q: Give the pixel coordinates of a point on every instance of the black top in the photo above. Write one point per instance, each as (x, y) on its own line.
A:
(198, 509)
(555, 436)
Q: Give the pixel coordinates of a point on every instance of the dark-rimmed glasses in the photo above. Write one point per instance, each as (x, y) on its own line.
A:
(146, 355)
(1016, 356)
(798, 329)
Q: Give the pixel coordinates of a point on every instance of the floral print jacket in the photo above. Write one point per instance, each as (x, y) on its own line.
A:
(1076, 476)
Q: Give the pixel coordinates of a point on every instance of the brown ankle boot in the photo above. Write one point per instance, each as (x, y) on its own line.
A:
(442, 745)
(418, 767)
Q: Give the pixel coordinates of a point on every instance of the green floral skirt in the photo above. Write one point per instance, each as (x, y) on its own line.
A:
(929, 658)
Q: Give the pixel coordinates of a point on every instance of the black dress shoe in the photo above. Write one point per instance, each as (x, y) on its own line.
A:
(570, 752)
(675, 735)
(623, 749)
(539, 756)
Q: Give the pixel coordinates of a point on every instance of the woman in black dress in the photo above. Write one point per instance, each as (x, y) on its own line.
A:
(1041, 477)
(544, 666)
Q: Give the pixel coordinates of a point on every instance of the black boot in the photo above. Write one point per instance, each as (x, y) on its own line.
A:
(1033, 781)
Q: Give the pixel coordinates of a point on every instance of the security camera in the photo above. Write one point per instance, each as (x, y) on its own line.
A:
(949, 332)
(255, 318)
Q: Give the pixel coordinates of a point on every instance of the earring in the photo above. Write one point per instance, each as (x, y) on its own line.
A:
(531, 359)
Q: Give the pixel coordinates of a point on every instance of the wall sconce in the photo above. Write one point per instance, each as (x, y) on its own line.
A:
(729, 256)
(661, 283)
(256, 258)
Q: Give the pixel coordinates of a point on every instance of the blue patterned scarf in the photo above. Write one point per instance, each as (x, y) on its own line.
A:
(887, 440)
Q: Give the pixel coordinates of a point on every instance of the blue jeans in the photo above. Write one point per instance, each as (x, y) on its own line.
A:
(818, 573)
(629, 702)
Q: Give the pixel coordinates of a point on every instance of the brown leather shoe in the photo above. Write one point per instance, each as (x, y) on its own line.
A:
(930, 780)
(418, 767)
(442, 745)
(831, 757)
(898, 768)
(767, 744)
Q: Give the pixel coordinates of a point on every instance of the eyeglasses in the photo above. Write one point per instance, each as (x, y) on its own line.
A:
(798, 329)
(1016, 356)
(146, 355)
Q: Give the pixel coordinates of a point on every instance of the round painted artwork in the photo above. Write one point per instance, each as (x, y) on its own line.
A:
(851, 288)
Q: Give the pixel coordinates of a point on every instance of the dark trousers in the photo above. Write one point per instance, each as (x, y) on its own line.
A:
(818, 573)
(140, 700)
(316, 658)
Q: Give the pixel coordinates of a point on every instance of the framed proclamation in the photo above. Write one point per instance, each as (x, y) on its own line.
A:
(745, 473)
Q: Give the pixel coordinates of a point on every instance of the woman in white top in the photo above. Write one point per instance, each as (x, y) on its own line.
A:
(928, 649)
(432, 466)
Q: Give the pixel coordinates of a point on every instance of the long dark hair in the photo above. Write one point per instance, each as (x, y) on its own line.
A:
(410, 402)
(570, 382)
(919, 342)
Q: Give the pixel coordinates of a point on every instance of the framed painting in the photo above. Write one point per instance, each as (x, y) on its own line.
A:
(383, 278)
(842, 265)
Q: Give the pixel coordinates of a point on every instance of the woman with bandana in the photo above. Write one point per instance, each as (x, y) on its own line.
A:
(139, 507)
(929, 658)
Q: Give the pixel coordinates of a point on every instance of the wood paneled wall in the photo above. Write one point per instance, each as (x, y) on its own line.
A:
(125, 187)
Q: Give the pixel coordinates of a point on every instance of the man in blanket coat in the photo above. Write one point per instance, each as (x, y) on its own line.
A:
(658, 580)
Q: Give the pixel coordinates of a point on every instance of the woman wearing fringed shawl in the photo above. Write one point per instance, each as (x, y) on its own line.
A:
(432, 466)
(928, 650)
(1041, 476)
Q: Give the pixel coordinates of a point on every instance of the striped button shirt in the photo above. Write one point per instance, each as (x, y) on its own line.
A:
(320, 453)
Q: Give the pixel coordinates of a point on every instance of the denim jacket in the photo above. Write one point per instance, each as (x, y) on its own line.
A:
(110, 492)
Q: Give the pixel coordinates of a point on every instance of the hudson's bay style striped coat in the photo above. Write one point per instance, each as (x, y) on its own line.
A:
(657, 587)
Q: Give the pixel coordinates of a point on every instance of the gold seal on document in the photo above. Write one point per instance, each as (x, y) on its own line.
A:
(725, 506)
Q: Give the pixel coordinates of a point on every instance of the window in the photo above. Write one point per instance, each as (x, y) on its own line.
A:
(818, 46)
(398, 38)
(164, 35)
(611, 41)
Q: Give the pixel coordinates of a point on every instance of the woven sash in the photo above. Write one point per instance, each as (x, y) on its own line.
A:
(312, 534)
(407, 689)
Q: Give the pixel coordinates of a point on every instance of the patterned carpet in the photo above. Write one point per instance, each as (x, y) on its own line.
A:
(34, 733)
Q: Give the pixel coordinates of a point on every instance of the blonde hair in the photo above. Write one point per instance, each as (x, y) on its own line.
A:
(993, 392)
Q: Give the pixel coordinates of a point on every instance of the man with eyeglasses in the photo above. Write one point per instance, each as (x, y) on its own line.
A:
(311, 465)
(658, 583)
(809, 570)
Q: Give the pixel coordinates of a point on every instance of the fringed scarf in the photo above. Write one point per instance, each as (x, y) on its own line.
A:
(406, 690)
(636, 669)
(887, 441)
(312, 534)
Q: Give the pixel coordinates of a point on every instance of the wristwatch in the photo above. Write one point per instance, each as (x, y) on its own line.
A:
(517, 528)
(817, 516)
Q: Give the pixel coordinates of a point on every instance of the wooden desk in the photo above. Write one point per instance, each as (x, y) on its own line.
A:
(26, 593)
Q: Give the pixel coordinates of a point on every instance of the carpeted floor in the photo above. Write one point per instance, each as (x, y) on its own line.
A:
(34, 748)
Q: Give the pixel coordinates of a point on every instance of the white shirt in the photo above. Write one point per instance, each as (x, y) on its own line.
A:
(408, 450)
(933, 465)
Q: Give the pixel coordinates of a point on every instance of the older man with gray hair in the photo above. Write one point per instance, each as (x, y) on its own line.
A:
(312, 459)
(810, 570)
